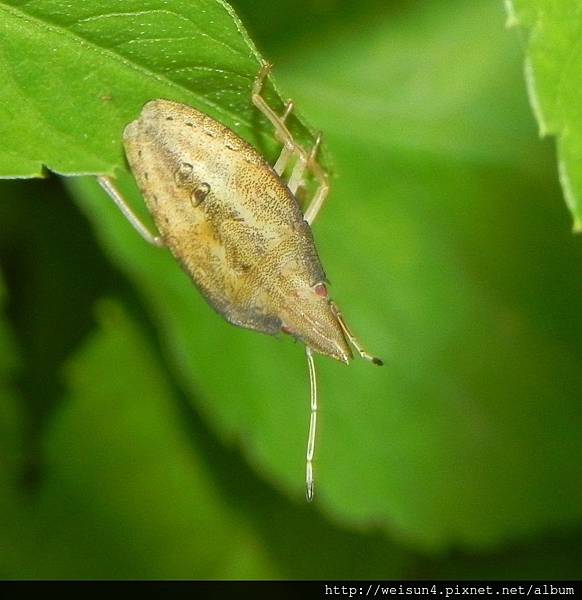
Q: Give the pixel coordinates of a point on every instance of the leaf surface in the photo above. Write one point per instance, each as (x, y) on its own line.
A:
(125, 494)
(553, 70)
(439, 167)
(73, 74)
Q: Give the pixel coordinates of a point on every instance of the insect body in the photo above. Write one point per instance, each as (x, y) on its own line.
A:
(236, 227)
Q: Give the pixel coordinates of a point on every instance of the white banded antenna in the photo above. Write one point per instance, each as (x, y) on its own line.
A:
(312, 427)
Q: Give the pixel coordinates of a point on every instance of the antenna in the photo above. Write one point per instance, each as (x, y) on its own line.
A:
(312, 426)
(352, 338)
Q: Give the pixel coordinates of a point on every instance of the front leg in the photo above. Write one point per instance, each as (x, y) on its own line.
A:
(107, 184)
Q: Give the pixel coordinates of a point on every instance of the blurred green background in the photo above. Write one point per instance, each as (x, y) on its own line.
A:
(141, 436)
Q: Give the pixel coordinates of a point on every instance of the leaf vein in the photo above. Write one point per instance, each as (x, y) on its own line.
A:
(162, 11)
(127, 63)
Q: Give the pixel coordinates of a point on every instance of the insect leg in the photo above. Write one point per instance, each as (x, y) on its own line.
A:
(112, 191)
(290, 147)
(309, 485)
(283, 160)
(289, 106)
(281, 131)
(296, 179)
(286, 152)
(323, 187)
(317, 202)
(351, 337)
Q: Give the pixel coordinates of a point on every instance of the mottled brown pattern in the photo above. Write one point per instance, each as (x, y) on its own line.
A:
(233, 225)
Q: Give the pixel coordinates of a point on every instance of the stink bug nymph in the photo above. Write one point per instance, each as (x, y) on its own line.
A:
(236, 226)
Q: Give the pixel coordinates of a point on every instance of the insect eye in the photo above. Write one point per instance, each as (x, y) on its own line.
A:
(320, 290)
(285, 329)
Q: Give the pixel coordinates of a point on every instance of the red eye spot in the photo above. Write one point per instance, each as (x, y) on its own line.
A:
(320, 290)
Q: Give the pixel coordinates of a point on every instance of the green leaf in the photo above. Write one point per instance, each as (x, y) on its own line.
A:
(10, 417)
(126, 495)
(449, 257)
(73, 74)
(553, 70)
(9, 360)
(11, 434)
(51, 310)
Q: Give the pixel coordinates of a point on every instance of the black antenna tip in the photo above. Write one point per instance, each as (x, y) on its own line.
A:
(377, 361)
